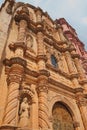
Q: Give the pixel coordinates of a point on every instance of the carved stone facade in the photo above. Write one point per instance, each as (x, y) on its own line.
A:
(43, 74)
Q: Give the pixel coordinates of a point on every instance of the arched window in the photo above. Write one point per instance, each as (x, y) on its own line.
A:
(62, 118)
(54, 61)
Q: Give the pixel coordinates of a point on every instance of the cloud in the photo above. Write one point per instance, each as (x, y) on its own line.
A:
(84, 20)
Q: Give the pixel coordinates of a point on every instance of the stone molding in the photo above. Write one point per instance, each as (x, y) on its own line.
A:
(61, 85)
(57, 70)
(41, 57)
(22, 14)
(15, 60)
(8, 127)
(16, 45)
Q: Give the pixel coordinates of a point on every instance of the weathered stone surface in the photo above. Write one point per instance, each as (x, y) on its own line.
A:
(43, 84)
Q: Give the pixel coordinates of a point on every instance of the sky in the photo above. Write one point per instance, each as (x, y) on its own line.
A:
(74, 11)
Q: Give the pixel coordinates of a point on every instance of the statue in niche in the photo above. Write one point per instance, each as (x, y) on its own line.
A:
(29, 41)
(24, 113)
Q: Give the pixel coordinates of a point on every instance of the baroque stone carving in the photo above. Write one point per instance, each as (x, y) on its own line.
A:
(24, 113)
(10, 6)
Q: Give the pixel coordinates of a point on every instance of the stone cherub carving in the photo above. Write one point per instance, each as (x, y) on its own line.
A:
(24, 113)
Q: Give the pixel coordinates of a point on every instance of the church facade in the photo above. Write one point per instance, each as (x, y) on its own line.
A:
(43, 71)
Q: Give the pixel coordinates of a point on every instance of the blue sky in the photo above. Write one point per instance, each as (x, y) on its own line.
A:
(74, 11)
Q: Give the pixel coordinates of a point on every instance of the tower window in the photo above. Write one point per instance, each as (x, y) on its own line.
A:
(54, 61)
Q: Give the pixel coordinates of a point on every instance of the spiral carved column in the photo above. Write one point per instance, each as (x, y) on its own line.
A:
(82, 104)
(43, 104)
(14, 81)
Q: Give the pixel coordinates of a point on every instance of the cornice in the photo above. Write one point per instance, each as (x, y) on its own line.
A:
(57, 70)
(16, 45)
(73, 37)
(44, 72)
(31, 72)
(83, 81)
(39, 57)
(19, 4)
(75, 55)
(29, 56)
(15, 60)
(61, 85)
(19, 17)
(8, 127)
(58, 47)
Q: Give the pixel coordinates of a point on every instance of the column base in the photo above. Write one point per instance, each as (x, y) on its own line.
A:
(24, 128)
(8, 127)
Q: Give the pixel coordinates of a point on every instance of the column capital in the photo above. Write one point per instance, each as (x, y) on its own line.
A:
(42, 85)
(80, 99)
(18, 44)
(22, 14)
(15, 60)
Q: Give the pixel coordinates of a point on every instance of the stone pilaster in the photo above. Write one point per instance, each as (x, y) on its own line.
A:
(22, 30)
(41, 54)
(40, 43)
(61, 33)
(82, 104)
(72, 69)
(69, 63)
(42, 90)
(81, 72)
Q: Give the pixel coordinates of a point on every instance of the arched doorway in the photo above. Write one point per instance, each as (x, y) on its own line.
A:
(62, 118)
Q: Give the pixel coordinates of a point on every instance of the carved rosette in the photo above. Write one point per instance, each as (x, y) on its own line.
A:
(42, 90)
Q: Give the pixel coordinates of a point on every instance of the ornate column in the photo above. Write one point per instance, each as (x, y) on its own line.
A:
(82, 76)
(82, 104)
(42, 89)
(14, 80)
(15, 75)
(72, 69)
